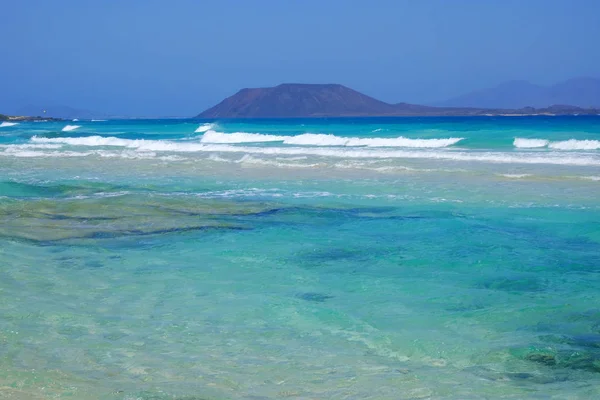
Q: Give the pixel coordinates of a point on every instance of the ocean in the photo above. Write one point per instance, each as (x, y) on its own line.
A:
(367, 258)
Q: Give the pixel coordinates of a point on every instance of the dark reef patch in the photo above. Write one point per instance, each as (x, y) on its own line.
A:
(562, 356)
(314, 297)
(513, 284)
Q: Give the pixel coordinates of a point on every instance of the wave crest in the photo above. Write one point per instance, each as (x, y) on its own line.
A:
(351, 153)
(530, 143)
(573, 144)
(204, 128)
(318, 139)
(7, 124)
(211, 136)
(70, 128)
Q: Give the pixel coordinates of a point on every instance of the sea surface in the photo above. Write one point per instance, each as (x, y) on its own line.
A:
(374, 258)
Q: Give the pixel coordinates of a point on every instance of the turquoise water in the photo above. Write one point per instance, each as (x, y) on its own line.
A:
(435, 258)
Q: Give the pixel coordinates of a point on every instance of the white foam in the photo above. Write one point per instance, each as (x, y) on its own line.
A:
(128, 154)
(7, 124)
(331, 140)
(492, 157)
(214, 157)
(17, 147)
(515, 176)
(573, 144)
(204, 128)
(557, 158)
(86, 141)
(75, 120)
(98, 120)
(318, 139)
(591, 178)
(140, 144)
(530, 143)
(248, 159)
(30, 153)
(211, 136)
(69, 128)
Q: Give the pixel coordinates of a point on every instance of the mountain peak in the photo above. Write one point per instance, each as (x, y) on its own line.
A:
(297, 100)
(310, 86)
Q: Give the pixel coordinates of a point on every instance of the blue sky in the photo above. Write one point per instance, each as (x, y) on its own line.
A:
(178, 57)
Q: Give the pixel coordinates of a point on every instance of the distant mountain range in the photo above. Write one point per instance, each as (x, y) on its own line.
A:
(290, 100)
(581, 92)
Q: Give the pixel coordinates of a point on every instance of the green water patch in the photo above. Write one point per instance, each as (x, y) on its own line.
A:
(46, 220)
(149, 213)
(16, 189)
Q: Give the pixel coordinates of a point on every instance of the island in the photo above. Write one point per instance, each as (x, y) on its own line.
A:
(295, 100)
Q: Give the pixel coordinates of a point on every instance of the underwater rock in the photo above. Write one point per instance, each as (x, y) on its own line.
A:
(591, 340)
(466, 307)
(333, 254)
(514, 284)
(489, 374)
(314, 296)
(588, 315)
(580, 360)
(562, 359)
(112, 336)
(538, 355)
(542, 358)
(93, 264)
(535, 378)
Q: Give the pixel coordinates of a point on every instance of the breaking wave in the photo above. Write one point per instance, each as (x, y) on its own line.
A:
(317, 139)
(204, 128)
(7, 124)
(530, 143)
(16, 147)
(557, 158)
(591, 178)
(515, 176)
(211, 136)
(70, 128)
(571, 144)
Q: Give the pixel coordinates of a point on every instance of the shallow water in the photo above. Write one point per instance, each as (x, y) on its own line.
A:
(141, 260)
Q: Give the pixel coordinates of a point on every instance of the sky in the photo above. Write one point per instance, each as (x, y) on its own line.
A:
(179, 57)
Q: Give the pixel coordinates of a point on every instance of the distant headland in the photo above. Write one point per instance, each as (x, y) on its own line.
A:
(294, 100)
(23, 118)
